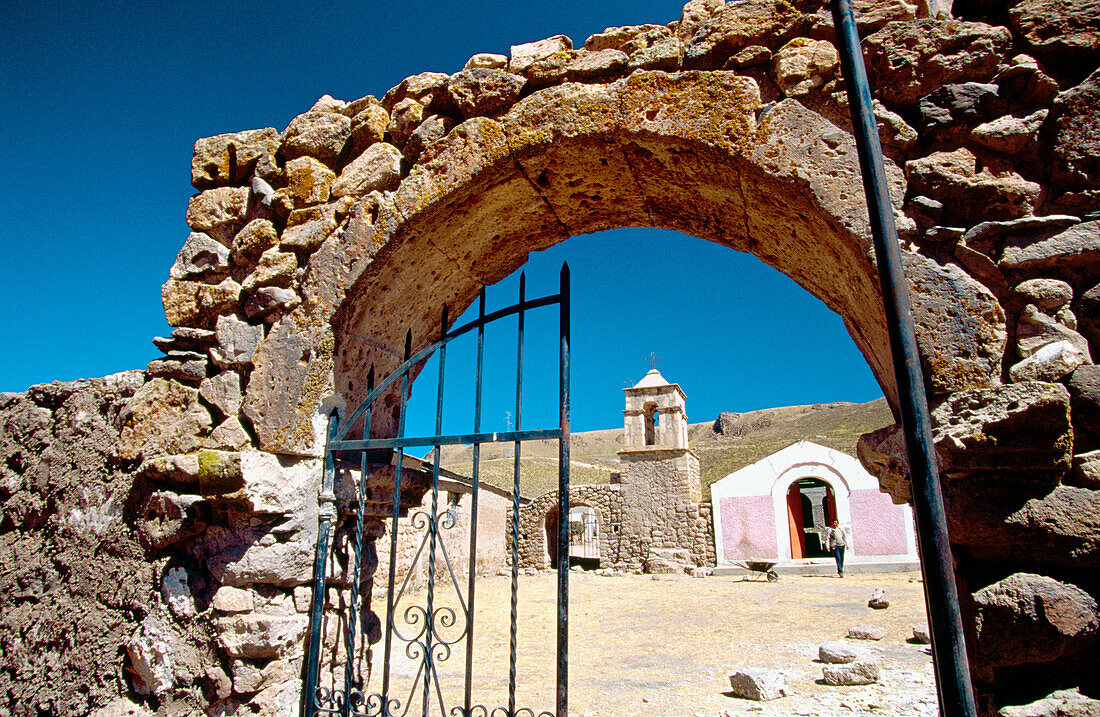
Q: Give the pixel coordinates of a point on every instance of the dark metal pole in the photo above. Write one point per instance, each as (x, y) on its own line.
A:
(956, 694)
(563, 501)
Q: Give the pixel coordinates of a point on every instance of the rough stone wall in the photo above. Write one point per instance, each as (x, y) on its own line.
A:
(661, 499)
(606, 500)
(133, 581)
(80, 576)
(650, 522)
(729, 124)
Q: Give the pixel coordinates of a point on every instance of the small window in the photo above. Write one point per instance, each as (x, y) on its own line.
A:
(652, 424)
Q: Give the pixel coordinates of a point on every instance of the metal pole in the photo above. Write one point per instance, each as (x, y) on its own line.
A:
(953, 684)
(562, 696)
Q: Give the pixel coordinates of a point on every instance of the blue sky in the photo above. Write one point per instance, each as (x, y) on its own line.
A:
(103, 103)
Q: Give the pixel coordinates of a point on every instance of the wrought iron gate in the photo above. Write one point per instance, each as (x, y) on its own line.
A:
(428, 630)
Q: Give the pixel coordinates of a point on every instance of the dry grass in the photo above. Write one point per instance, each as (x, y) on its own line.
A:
(593, 453)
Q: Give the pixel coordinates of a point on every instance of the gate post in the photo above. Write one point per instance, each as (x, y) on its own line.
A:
(325, 518)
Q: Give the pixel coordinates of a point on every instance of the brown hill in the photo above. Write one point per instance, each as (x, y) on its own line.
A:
(723, 446)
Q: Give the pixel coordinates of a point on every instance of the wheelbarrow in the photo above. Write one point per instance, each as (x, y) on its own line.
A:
(760, 570)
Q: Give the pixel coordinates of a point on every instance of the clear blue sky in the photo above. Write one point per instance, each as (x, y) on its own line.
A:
(104, 102)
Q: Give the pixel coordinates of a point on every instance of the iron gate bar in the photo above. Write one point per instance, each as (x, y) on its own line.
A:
(433, 526)
(467, 689)
(512, 626)
(956, 695)
(397, 478)
(468, 438)
(436, 644)
(428, 350)
(327, 515)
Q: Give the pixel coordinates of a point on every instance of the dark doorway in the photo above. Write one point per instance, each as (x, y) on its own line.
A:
(811, 507)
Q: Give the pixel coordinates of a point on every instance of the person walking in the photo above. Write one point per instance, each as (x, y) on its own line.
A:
(836, 541)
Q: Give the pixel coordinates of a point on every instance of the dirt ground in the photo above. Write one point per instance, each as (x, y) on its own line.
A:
(666, 645)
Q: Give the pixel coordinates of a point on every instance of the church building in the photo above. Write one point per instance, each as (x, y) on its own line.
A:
(777, 510)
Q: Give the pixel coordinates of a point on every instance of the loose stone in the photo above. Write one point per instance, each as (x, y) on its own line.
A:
(759, 683)
(863, 672)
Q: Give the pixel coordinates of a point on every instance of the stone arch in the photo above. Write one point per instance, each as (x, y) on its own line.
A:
(317, 248)
(535, 517)
(696, 152)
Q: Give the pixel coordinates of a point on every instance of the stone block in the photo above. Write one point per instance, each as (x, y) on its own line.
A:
(319, 135)
(1048, 295)
(427, 132)
(1050, 363)
(804, 65)
(1014, 523)
(163, 418)
(223, 392)
(233, 600)
(866, 632)
(733, 26)
(176, 592)
(840, 652)
(258, 636)
(483, 92)
(1074, 160)
(237, 342)
(423, 88)
(972, 191)
(188, 303)
(254, 238)
(487, 61)
(1019, 427)
(275, 268)
(309, 182)
(1029, 618)
(907, 60)
(376, 169)
(1063, 703)
(214, 210)
(191, 371)
(862, 672)
(525, 55)
(200, 255)
(759, 683)
(231, 158)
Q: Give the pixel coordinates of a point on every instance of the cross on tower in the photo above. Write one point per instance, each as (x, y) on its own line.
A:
(653, 359)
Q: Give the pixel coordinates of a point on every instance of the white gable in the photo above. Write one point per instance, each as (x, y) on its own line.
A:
(805, 459)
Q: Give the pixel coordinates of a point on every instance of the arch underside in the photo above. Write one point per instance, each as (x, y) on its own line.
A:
(694, 152)
(591, 158)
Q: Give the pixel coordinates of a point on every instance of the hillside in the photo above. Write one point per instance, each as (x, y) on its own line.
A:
(753, 435)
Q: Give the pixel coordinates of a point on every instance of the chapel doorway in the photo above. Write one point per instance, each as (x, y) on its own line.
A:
(811, 508)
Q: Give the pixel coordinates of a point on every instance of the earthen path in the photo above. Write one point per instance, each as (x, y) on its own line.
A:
(664, 646)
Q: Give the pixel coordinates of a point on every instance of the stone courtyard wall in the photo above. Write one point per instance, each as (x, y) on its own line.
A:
(606, 500)
(160, 526)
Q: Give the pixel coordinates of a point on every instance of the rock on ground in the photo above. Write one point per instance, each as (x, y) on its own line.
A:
(863, 672)
(759, 683)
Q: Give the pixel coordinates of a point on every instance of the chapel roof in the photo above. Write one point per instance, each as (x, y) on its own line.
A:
(652, 379)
